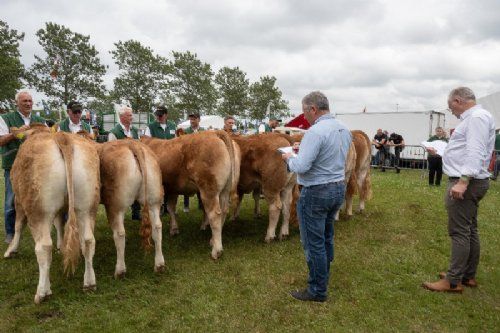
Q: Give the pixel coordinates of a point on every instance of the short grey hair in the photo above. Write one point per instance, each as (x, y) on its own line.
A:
(463, 93)
(318, 99)
(123, 110)
(21, 92)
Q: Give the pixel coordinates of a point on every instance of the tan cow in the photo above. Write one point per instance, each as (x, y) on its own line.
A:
(262, 169)
(360, 181)
(129, 172)
(53, 174)
(203, 162)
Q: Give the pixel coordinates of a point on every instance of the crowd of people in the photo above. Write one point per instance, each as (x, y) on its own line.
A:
(319, 165)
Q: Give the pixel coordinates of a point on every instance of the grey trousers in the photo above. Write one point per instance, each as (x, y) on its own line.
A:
(462, 229)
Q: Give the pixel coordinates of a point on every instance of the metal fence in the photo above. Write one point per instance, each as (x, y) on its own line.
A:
(410, 157)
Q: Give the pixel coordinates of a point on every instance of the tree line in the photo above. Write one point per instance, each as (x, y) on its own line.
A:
(71, 69)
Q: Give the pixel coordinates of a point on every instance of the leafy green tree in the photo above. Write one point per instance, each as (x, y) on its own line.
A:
(141, 75)
(265, 99)
(191, 83)
(71, 68)
(232, 86)
(11, 69)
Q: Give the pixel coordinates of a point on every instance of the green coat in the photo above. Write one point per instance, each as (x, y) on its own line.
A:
(435, 138)
(189, 130)
(267, 128)
(158, 132)
(120, 134)
(64, 126)
(9, 151)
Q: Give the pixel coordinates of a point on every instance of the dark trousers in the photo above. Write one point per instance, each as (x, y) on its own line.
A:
(9, 209)
(462, 229)
(435, 169)
(397, 154)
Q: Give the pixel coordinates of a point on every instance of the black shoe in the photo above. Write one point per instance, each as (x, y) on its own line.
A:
(303, 295)
(398, 170)
(136, 217)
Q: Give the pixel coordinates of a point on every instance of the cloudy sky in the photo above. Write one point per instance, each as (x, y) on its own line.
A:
(385, 54)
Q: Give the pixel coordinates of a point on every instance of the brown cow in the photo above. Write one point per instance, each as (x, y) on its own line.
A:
(203, 162)
(129, 172)
(53, 174)
(262, 169)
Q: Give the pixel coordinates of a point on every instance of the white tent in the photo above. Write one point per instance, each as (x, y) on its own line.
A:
(214, 122)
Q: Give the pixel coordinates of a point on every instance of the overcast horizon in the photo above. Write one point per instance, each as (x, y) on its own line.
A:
(383, 55)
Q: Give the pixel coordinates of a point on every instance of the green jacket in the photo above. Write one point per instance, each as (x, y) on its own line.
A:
(64, 126)
(158, 132)
(120, 134)
(9, 151)
(267, 128)
(189, 130)
(435, 138)
(497, 142)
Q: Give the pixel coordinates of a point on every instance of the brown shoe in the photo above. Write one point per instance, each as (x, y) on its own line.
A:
(471, 283)
(443, 285)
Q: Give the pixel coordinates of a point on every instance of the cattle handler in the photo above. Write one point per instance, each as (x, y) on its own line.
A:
(10, 143)
(194, 120)
(73, 123)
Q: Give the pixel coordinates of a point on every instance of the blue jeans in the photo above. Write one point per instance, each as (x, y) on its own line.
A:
(9, 208)
(316, 210)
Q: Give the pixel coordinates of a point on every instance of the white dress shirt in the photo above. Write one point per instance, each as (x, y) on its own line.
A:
(469, 151)
(74, 128)
(4, 129)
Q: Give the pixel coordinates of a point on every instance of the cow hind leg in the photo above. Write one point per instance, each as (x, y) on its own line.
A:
(43, 251)
(171, 204)
(286, 201)
(115, 218)
(236, 212)
(87, 244)
(19, 227)
(275, 206)
(214, 214)
(256, 198)
(58, 223)
(154, 214)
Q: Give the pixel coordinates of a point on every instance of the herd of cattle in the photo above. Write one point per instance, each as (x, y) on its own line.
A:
(59, 179)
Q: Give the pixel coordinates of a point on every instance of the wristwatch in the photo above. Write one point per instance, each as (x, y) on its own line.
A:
(465, 179)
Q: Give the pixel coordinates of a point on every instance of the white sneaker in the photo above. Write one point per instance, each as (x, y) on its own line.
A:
(186, 209)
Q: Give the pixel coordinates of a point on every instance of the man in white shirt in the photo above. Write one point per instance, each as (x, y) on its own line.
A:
(465, 161)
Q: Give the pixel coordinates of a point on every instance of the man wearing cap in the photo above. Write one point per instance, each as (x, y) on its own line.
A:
(194, 120)
(273, 123)
(161, 128)
(73, 123)
(124, 128)
(10, 144)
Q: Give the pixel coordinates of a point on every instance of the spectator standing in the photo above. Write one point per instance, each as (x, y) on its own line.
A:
(9, 143)
(271, 125)
(320, 168)
(397, 141)
(380, 141)
(230, 125)
(465, 161)
(435, 161)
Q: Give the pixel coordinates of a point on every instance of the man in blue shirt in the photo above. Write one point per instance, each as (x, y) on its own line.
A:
(320, 170)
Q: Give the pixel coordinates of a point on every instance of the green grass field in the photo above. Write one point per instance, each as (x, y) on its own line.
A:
(381, 259)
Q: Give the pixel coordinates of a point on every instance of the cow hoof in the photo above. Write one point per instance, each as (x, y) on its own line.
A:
(10, 255)
(348, 217)
(40, 298)
(174, 232)
(89, 288)
(216, 254)
(160, 269)
(283, 237)
(269, 239)
(120, 275)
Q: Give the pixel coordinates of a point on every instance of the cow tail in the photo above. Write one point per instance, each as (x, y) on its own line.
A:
(71, 240)
(229, 145)
(145, 230)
